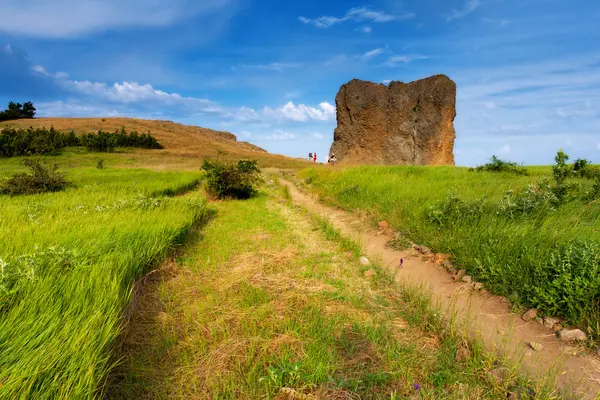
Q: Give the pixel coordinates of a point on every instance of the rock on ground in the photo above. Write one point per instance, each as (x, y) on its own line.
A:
(529, 315)
(575, 335)
(364, 260)
(403, 123)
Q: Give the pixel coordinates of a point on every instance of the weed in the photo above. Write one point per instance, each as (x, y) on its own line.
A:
(238, 181)
(41, 179)
(498, 165)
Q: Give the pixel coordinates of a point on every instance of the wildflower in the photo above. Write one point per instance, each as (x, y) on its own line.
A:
(417, 386)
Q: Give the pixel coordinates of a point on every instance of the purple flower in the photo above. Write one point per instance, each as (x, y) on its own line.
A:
(417, 386)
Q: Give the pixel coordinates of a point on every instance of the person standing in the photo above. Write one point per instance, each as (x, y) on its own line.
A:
(310, 157)
(315, 157)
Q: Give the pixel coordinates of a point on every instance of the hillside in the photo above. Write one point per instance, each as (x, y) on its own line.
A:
(184, 144)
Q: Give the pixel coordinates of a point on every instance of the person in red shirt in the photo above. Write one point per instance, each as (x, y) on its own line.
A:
(315, 157)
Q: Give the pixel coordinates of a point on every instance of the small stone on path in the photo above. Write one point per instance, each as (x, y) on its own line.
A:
(478, 286)
(576, 335)
(529, 315)
(364, 260)
(536, 346)
(383, 224)
(549, 322)
(467, 279)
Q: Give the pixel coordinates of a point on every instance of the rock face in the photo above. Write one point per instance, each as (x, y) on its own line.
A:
(403, 123)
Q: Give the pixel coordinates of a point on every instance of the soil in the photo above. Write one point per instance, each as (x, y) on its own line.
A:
(486, 317)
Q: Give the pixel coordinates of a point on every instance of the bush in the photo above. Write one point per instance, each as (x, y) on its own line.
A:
(498, 165)
(41, 179)
(238, 181)
(42, 141)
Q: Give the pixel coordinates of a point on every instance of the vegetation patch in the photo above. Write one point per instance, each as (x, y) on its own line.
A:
(532, 238)
(498, 165)
(234, 181)
(68, 261)
(41, 179)
(42, 141)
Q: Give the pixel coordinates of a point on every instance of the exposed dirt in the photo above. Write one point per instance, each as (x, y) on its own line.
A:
(486, 317)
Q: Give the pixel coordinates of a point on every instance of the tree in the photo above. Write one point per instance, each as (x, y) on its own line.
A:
(18, 111)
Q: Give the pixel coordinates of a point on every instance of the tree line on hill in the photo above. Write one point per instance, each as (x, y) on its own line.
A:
(42, 141)
(18, 111)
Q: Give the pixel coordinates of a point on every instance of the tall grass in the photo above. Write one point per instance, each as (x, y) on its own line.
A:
(68, 262)
(548, 259)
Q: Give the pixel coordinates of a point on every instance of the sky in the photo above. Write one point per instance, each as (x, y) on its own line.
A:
(527, 71)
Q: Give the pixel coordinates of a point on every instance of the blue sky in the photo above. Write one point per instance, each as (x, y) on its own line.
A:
(527, 71)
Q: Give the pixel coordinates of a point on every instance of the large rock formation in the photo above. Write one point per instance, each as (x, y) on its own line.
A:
(403, 123)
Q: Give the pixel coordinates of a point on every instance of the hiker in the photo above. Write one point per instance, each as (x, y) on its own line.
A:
(332, 159)
(310, 157)
(315, 157)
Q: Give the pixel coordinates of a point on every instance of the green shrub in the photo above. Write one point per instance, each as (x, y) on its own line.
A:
(498, 165)
(237, 181)
(42, 141)
(41, 179)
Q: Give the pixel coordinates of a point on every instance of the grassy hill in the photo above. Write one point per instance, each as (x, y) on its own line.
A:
(184, 144)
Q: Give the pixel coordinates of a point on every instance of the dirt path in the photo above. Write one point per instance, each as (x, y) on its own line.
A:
(488, 317)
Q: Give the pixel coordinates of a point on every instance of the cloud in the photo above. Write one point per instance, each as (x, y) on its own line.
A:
(301, 112)
(468, 8)
(499, 22)
(373, 53)
(68, 18)
(393, 61)
(598, 146)
(274, 66)
(356, 14)
(318, 136)
(280, 135)
(365, 29)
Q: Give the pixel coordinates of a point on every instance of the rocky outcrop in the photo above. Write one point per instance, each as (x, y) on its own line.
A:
(402, 123)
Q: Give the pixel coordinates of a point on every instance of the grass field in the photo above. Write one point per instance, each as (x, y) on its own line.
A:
(68, 262)
(269, 303)
(547, 258)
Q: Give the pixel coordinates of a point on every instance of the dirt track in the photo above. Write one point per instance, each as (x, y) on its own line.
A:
(487, 317)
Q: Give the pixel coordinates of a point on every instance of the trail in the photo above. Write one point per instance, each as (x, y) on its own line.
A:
(487, 317)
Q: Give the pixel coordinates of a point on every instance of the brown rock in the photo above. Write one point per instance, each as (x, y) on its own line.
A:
(576, 335)
(403, 123)
(467, 279)
(549, 322)
(536, 346)
(557, 327)
(383, 224)
(441, 258)
(478, 286)
(423, 250)
(529, 315)
(369, 273)
(459, 274)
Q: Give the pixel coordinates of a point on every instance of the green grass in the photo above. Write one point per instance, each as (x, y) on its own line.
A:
(548, 259)
(269, 303)
(69, 260)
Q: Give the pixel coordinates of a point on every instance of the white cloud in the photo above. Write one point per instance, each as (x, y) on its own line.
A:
(301, 112)
(274, 66)
(373, 53)
(318, 136)
(7, 49)
(468, 8)
(356, 14)
(366, 29)
(42, 71)
(504, 150)
(489, 104)
(393, 61)
(386, 81)
(66, 18)
(499, 22)
(244, 134)
(280, 135)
